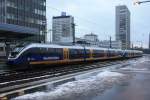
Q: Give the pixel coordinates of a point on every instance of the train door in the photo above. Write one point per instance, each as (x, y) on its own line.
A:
(91, 54)
(66, 54)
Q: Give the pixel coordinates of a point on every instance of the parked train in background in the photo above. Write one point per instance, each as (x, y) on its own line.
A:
(48, 54)
(2, 51)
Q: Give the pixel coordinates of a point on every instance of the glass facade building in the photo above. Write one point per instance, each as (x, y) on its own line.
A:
(123, 26)
(26, 13)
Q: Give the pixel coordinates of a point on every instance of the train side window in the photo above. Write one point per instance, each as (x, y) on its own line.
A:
(98, 53)
(59, 51)
(1, 49)
(55, 51)
(73, 51)
(33, 51)
(43, 50)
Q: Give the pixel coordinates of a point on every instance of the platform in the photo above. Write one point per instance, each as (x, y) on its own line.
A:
(127, 81)
(137, 88)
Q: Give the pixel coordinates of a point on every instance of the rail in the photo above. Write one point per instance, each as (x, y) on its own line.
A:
(18, 78)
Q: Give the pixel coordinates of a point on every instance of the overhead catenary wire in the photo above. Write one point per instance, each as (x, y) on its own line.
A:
(85, 20)
(82, 31)
(79, 18)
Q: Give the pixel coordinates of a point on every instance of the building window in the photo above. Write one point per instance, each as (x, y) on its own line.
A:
(11, 4)
(43, 3)
(40, 12)
(11, 16)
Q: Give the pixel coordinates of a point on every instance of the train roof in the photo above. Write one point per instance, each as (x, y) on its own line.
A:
(71, 47)
(74, 47)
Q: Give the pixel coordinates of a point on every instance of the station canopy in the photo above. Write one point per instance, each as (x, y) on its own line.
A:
(10, 32)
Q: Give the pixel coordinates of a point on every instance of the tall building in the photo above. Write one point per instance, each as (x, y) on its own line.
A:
(63, 29)
(123, 26)
(20, 18)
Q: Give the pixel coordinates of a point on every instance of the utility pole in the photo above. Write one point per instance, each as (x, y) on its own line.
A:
(110, 44)
(141, 45)
(149, 40)
(132, 46)
(74, 36)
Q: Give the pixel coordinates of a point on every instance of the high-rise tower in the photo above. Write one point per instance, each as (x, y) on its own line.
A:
(123, 26)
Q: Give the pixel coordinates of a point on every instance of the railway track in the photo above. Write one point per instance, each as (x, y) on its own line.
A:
(8, 76)
(11, 78)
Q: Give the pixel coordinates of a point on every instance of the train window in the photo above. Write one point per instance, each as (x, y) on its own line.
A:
(113, 53)
(55, 52)
(16, 51)
(87, 55)
(14, 54)
(59, 50)
(87, 51)
(32, 51)
(45, 52)
(76, 53)
(73, 51)
(50, 50)
(1, 49)
(98, 53)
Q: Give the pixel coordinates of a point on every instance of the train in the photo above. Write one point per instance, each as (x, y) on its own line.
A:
(50, 54)
(2, 51)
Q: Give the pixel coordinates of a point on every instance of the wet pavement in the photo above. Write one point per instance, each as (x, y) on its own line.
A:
(131, 82)
(136, 88)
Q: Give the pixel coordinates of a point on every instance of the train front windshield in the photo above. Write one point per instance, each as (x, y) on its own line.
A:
(16, 51)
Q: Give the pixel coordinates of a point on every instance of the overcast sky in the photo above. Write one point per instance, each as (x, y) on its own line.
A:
(98, 16)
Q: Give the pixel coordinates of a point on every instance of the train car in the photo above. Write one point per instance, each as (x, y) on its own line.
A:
(2, 51)
(47, 54)
(132, 53)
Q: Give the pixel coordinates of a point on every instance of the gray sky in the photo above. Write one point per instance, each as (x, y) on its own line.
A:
(98, 16)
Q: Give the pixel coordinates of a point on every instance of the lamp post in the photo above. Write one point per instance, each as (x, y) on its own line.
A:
(73, 27)
(149, 40)
(140, 2)
(50, 34)
(44, 24)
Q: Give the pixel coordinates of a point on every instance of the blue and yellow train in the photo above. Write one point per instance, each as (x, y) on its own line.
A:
(48, 54)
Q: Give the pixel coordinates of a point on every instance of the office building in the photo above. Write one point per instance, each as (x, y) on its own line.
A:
(22, 18)
(123, 26)
(91, 37)
(63, 29)
(114, 44)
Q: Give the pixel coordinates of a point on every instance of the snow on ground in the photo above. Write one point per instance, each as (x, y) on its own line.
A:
(132, 68)
(136, 65)
(83, 89)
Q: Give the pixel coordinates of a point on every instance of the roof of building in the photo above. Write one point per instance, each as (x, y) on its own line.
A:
(91, 34)
(16, 31)
(57, 17)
